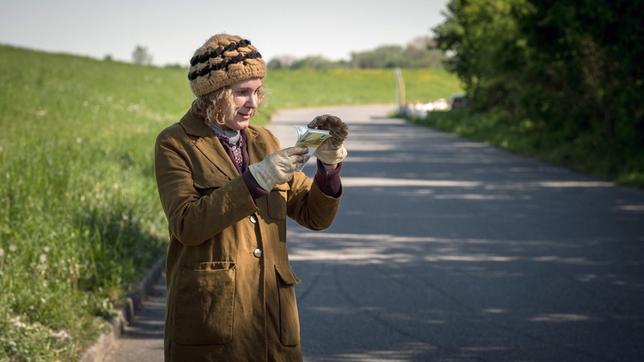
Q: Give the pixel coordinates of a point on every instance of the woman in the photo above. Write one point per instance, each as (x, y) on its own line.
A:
(226, 189)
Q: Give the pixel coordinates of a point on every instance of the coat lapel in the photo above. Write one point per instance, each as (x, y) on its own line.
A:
(208, 144)
(256, 146)
(215, 152)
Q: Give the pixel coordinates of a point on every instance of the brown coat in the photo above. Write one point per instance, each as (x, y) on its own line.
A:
(224, 302)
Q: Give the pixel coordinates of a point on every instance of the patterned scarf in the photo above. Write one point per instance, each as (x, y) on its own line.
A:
(233, 142)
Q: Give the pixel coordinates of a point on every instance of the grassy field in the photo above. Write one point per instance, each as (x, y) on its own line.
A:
(307, 87)
(79, 213)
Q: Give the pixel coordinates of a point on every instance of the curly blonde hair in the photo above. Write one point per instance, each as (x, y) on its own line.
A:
(218, 106)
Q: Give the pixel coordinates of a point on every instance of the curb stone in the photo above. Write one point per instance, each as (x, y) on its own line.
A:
(124, 315)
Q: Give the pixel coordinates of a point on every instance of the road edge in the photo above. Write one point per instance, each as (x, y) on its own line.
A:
(124, 314)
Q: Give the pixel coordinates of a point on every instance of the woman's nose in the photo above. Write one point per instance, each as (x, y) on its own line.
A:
(252, 101)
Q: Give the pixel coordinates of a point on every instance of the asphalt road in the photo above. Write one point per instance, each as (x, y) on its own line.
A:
(450, 250)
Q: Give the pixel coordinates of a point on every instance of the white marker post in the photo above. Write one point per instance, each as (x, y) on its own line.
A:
(400, 90)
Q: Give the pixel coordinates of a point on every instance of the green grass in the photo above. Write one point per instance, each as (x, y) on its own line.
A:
(79, 212)
(79, 216)
(619, 163)
(307, 87)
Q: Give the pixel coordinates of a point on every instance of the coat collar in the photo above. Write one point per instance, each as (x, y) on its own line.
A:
(208, 144)
(195, 125)
(256, 145)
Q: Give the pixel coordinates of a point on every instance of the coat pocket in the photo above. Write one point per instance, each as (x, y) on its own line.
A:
(204, 304)
(289, 319)
(277, 199)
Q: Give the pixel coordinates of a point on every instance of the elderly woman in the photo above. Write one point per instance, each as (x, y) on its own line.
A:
(226, 189)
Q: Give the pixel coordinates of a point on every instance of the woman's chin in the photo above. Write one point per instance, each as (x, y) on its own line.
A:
(239, 123)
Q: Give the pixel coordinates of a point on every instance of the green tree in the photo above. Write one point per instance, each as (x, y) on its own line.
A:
(312, 61)
(385, 56)
(571, 69)
(141, 55)
(486, 50)
(281, 61)
(594, 60)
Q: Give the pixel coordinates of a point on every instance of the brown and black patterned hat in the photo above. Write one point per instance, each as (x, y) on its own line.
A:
(224, 60)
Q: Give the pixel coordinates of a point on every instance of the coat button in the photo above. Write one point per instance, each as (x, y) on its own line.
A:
(253, 219)
(257, 253)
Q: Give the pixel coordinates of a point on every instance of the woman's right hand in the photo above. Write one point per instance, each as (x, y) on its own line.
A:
(277, 167)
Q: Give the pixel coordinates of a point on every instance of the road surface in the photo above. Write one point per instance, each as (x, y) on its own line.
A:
(451, 250)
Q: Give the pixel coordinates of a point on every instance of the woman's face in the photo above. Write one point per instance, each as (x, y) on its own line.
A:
(245, 103)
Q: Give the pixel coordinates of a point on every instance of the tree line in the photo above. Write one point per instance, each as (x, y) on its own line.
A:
(567, 71)
(419, 53)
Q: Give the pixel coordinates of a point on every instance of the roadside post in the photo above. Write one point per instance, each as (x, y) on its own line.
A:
(400, 90)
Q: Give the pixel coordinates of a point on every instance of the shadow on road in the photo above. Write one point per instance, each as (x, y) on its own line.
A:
(451, 250)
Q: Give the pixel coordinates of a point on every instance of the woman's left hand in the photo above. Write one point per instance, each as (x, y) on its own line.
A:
(331, 151)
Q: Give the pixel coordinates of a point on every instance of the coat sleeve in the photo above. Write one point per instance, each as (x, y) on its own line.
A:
(194, 218)
(308, 205)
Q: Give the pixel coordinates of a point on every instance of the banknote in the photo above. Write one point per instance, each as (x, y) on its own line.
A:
(311, 138)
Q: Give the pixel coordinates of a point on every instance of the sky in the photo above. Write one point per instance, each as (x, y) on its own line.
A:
(172, 30)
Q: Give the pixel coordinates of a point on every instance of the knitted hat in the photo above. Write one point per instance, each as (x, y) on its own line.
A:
(224, 60)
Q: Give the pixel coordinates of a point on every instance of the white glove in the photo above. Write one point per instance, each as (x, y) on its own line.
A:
(277, 167)
(330, 153)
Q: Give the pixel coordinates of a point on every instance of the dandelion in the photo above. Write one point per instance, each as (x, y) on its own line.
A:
(46, 249)
(17, 322)
(60, 334)
(42, 258)
(79, 140)
(13, 248)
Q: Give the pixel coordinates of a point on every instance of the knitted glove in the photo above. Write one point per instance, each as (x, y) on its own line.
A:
(332, 150)
(277, 167)
(339, 130)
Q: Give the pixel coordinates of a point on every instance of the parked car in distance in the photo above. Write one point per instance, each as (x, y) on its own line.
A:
(458, 101)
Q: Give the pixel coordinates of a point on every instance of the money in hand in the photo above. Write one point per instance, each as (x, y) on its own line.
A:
(309, 137)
